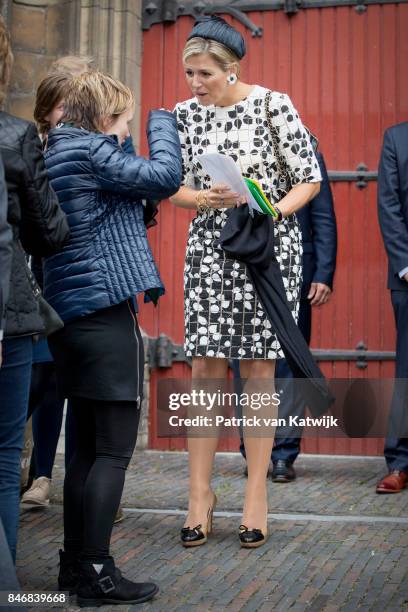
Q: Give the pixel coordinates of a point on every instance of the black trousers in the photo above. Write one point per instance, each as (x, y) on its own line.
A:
(288, 448)
(396, 448)
(106, 438)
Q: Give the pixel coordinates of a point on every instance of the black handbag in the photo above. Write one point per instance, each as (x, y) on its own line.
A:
(150, 211)
(284, 183)
(51, 319)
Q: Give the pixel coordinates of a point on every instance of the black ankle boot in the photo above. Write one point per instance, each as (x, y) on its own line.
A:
(68, 576)
(103, 583)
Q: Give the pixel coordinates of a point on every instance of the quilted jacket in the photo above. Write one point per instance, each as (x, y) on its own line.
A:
(6, 237)
(100, 188)
(37, 221)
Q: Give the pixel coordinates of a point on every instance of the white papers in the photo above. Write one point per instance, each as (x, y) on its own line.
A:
(222, 169)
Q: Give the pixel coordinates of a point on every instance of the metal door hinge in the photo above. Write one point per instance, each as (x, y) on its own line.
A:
(361, 175)
(162, 353)
(161, 11)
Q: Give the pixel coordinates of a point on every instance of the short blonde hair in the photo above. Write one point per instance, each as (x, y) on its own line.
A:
(223, 56)
(72, 64)
(93, 97)
(6, 60)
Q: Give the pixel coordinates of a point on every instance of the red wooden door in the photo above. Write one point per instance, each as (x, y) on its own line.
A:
(345, 73)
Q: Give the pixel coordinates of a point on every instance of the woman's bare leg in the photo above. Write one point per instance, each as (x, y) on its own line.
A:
(201, 450)
(260, 378)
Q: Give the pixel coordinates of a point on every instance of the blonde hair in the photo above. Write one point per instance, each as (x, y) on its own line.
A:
(93, 97)
(223, 56)
(6, 60)
(71, 64)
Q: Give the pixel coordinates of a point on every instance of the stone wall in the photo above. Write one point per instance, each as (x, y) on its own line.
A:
(111, 32)
(41, 31)
(37, 35)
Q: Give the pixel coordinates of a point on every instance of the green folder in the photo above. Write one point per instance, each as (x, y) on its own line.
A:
(260, 197)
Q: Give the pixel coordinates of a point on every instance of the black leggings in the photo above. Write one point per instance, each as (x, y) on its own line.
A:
(106, 438)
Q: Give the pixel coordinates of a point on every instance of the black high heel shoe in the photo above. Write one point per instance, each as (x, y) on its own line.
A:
(197, 535)
(251, 538)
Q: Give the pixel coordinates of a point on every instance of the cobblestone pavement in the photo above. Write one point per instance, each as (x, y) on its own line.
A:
(334, 544)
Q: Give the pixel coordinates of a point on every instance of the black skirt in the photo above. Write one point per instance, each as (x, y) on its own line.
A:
(100, 356)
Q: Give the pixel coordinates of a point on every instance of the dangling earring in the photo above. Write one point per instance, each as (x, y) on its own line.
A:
(232, 79)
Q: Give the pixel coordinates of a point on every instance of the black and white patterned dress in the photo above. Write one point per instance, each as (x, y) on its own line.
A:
(223, 315)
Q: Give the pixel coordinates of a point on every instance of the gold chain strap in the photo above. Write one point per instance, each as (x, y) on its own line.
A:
(284, 177)
(285, 182)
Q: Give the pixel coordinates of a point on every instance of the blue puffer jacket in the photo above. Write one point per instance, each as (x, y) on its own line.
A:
(100, 188)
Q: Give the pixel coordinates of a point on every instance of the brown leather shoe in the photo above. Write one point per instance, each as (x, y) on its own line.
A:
(395, 482)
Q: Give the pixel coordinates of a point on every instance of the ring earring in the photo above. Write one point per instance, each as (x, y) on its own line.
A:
(232, 79)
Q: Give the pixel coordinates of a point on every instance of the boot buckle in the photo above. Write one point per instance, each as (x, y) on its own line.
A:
(106, 584)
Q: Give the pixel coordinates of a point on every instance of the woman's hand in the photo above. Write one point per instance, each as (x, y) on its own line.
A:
(221, 196)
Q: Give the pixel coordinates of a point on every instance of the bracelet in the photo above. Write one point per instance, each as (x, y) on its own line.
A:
(202, 201)
(280, 215)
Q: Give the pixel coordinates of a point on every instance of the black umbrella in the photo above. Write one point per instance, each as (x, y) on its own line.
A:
(251, 240)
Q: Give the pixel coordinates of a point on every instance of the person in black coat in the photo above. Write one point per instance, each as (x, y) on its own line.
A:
(319, 239)
(39, 225)
(393, 217)
(5, 254)
(39, 228)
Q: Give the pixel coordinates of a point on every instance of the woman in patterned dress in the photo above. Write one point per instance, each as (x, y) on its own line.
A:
(223, 316)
